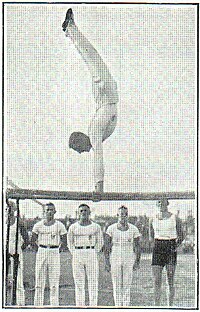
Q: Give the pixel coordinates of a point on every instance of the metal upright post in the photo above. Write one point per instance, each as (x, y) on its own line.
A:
(7, 249)
(16, 259)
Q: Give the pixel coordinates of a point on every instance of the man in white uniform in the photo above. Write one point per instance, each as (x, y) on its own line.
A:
(167, 232)
(122, 252)
(85, 241)
(49, 233)
(23, 241)
(106, 97)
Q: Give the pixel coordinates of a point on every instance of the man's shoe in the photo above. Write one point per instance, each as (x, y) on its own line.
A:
(68, 19)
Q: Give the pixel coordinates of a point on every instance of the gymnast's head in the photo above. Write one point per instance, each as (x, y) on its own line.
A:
(80, 142)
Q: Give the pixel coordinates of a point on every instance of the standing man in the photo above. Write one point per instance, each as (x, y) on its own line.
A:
(105, 95)
(23, 241)
(48, 233)
(85, 241)
(122, 255)
(167, 231)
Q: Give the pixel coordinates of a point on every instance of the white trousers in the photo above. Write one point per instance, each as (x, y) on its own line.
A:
(105, 94)
(85, 262)
(122, 274)
(20, 292)
(47, 259)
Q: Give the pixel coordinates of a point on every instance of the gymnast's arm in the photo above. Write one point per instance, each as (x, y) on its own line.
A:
(70, 239)
(179, 230)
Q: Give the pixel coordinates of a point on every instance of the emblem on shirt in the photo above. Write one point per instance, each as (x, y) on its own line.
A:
(90, 237)
(53, 235)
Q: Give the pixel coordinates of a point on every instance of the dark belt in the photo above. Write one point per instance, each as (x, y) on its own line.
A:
(84, 247)
(50, 247)
(166, 240)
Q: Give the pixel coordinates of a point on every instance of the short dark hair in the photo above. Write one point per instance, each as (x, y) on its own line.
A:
(50, 205)
(83, 205)
(162, 200)
(123, 208)
(79, 141)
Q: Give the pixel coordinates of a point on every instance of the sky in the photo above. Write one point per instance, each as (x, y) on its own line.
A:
(151, 52)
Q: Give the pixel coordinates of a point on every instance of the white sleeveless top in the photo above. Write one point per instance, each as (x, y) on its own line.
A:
(165, 228)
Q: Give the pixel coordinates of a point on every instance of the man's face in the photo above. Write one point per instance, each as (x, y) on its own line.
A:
(162, 205)
(123, 215)
(84, 213)
(49, 212)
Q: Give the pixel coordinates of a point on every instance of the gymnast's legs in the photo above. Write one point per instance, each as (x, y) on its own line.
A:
(105, 94)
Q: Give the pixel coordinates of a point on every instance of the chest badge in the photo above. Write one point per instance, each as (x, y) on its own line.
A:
(53, 235)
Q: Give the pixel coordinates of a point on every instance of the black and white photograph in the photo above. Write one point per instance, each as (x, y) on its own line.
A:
(99, 145)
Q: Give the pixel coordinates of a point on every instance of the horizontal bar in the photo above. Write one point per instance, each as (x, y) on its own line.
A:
(61, 195)
(17, 187)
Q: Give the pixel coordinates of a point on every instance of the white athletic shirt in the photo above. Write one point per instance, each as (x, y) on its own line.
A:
(82, 236)
(49, 235)
(123, 239)
(12, 239)
(165, 228)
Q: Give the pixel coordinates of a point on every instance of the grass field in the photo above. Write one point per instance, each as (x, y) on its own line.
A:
(142, 288)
